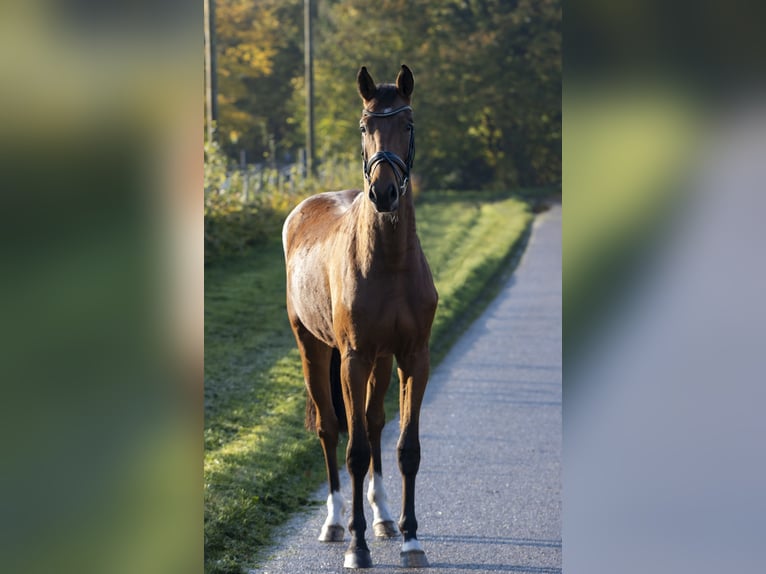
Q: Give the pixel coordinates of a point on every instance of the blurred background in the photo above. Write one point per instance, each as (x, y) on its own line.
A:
(101, 290)
(664, 141)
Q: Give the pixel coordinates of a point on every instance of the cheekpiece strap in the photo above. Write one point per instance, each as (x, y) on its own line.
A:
(388, 157)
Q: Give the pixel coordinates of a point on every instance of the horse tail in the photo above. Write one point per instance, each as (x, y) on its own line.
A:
(311, 415)
(336, 392)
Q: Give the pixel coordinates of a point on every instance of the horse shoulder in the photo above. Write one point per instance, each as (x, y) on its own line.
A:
(317, 228)
(310, 236)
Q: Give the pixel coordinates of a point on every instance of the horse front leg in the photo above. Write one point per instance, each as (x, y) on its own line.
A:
(383, 524)
(413, 377)
(355, 372)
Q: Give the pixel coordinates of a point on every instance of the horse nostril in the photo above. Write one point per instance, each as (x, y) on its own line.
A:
(373, 197)
(392, 192)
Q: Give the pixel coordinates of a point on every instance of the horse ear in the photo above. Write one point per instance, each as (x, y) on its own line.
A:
(405, 83)
(366, 84)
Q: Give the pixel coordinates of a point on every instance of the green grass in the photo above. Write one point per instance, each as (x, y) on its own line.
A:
(260, 463)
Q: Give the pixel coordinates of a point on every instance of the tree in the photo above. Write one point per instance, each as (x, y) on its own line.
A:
(260, 52)
(487, 82)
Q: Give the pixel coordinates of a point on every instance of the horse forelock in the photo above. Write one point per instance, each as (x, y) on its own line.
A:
(385, 97)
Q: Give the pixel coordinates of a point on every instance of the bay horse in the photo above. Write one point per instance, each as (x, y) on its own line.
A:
(359, 293)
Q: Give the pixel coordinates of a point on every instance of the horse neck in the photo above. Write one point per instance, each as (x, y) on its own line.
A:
(386, 240)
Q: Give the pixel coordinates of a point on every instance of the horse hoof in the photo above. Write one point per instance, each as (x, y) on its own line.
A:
(357, 559)
(387, 529)
(332, 533)
(414, 559)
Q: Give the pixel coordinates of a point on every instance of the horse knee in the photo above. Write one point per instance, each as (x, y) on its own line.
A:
(375, 422)
(328, 431)
(328, 425)
(409, 458)
(358, 457)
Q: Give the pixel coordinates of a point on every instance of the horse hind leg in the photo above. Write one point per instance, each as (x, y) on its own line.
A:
(383, 524)
(321, 418)
(332, 529)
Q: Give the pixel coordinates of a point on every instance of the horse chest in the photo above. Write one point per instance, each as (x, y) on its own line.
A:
(390, 317)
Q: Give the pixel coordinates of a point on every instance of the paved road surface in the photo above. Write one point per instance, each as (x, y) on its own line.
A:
(488, 494)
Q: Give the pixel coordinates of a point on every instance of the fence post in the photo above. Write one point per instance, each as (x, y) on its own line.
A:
(309, 71)
(211, 87)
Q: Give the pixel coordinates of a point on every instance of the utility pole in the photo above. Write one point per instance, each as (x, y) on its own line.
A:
(309, 71)
(211, 87)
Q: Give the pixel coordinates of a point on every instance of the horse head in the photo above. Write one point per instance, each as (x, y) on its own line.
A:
(388, 138)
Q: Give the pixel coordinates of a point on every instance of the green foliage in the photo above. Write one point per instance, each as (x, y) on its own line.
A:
(231, 225)
(260, 463)
(259, 52)
(232, 221)
(216, 167)
(487, 83)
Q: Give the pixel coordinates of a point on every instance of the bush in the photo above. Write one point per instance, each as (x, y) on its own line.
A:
(245, 208)
(232, 225)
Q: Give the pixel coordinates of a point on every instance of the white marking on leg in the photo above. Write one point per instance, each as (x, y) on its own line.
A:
(336, 507)
(376, 495)
(411, 545)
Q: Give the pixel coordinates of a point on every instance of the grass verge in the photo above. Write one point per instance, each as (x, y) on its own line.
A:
(260, 464)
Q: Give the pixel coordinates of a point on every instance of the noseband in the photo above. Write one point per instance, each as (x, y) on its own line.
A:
(398, 166)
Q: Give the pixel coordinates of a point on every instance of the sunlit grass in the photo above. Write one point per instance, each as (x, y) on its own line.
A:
(466, 241)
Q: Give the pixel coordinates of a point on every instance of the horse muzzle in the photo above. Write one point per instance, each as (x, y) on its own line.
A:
(384, 197)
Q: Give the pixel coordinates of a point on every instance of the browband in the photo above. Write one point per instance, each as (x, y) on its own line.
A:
(385, 113)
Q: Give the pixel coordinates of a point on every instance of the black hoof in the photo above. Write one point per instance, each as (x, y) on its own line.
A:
(414, 559)
(332, 533)
(357, 559)
(387, 529)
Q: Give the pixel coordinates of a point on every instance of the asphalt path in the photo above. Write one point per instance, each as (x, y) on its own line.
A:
(488, 494)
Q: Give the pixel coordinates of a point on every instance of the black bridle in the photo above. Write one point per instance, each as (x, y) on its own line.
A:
(398, 166)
